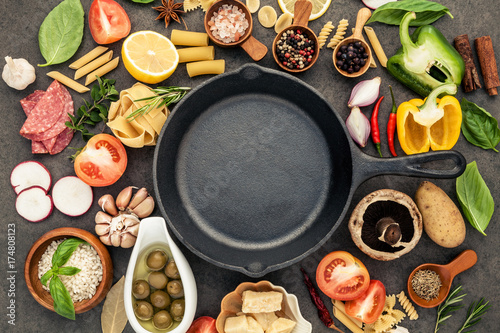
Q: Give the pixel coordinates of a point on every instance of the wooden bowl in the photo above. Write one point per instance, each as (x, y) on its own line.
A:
(255, 49)
(363, 16)
(302, 10)
(40, 246)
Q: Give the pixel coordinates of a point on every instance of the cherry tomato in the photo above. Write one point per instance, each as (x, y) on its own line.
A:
(341, 276)
(102, 161)
(203, 324)
(108, 21)
(369, 306)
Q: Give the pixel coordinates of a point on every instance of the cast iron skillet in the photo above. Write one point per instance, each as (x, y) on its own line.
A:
(254, 170)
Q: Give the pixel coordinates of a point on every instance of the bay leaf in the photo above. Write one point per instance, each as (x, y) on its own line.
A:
(113, 317)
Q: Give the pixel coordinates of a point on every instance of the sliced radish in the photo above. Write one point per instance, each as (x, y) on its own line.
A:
(28, 174)
(34, 204)
(374, 4)
(72, 196)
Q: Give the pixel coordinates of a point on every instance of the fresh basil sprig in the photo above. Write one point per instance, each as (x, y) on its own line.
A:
(475, 198)
(392, 12)
(63, 305)
(478, 126)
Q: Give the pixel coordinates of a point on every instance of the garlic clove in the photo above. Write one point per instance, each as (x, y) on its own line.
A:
(133, 230)
(128, 240)
(123, 198)
(107, 204)
(102, 217)
(115, 239)
(130, 221)
(18, 73)
(102, 229)
(145, 208)
(106, 240)
(138, 197)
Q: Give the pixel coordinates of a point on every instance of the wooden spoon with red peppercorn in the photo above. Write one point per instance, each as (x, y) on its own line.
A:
(299, 37)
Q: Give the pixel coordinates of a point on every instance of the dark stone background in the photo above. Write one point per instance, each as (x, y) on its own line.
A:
(18, 38)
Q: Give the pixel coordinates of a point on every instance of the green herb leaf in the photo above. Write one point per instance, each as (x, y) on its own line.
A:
(445, 308)
(475, 198)
(474, 313)
(65, 250)
(46, 277)
(69, 270)
(164, 96)
(393, 12)
(479, 127)
(63, 305)
(61, 32)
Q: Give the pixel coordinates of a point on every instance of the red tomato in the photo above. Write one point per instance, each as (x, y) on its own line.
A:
(102, 161)
(341, 276)
(203, 324)
(108, 21)
(369, 306)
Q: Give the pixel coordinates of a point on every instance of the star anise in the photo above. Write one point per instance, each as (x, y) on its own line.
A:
(170, 10)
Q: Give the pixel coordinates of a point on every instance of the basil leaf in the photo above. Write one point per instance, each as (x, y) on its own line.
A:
(46, 277)
(61, 32)
(63, 305)
(475, 198)
(393, 12)
(479, 127)
(68, 270)
(65, 250)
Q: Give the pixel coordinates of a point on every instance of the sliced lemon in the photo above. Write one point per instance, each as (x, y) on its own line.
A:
(149, 56)
(319, 7)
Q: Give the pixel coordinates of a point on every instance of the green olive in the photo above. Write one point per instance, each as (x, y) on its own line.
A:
(143, 310)
(171, 270)
(175, 289)
(162, 320)
(160, 299)
(140, 289)
(157, 280)
(156, 260)
(177, 309)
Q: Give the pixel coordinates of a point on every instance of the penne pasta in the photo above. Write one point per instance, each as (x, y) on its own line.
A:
(88, 57)
(377, 47)
(205, 67)
(68, 82)
(341, 306)
(189, 38)
(346, 321)
(101, 71)
(93, 65)
(196, 53)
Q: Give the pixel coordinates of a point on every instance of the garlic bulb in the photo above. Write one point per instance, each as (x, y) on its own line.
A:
(18, 73)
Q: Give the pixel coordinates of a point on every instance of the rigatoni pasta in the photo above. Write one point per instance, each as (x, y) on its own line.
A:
(68, 82)
(93, 65)
(189, 38)
(205, 67)
(197, 53)
(88, 57)
(101, 71)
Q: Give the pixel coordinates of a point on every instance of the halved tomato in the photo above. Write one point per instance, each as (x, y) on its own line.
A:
(342, 276)
(108, 21)
(203, 324)
(370, 305)
(102, 161)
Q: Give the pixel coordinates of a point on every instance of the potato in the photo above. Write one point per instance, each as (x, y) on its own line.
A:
(442, 220)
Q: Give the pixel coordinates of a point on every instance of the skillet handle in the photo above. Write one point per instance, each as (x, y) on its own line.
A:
(368, 166)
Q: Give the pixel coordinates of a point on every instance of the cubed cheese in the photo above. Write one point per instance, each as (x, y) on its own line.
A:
(265, 319)
(236, 325)
(282, 325)
(257, 302)
(254, 326)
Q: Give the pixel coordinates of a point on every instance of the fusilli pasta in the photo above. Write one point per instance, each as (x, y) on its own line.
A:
(324, 33)
(408, 306)
(339, 34)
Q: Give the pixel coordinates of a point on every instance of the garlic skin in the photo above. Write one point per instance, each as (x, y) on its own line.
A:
(358, 126)
(18, 73)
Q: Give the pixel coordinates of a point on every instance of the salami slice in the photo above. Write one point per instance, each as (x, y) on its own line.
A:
(37, 147)
(28, 103)
(62, 141)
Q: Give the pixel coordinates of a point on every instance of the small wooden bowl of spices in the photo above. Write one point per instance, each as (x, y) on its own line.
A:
(352, 56)
(429, 284)
(228, 23)
(295, 48)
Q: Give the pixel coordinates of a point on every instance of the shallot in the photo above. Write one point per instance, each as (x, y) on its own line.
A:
(374, 4)
(358, 126)
(365, 93)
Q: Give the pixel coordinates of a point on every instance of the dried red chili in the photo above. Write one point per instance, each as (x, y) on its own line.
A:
(391, 125)
(374, 125)
(323, 313)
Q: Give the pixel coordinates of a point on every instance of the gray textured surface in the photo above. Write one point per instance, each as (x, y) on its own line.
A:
(18, 38)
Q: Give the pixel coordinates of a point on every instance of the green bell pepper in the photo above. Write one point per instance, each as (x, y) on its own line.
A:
(426, 59)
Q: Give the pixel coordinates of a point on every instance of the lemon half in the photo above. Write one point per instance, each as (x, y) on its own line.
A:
(319, 7)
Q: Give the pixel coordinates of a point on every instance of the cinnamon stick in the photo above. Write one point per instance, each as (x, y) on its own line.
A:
(486, 56)
(471, 78)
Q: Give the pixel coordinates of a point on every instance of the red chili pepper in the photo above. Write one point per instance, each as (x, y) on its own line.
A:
(323, 313)
(374, 124)
(391, 125)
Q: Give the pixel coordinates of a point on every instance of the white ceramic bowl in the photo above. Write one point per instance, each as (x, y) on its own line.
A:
(153, 233)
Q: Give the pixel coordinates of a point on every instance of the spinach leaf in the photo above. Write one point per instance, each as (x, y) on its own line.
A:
(475, 198)
(61, 32)
(393, 12)
(63, 305)
(64, 251)
(68, 270)
(478, 126)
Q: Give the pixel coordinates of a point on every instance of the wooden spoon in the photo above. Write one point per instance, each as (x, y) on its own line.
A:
(302, 11)
(462, 262)
(255, 49)
(363, 16)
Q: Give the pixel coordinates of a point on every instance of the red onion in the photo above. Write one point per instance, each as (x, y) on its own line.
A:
(374, 4)
(365, 93)
(358, 126)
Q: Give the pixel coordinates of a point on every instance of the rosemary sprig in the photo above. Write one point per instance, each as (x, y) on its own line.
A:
(164, 97)
(445, 308)
(474, 313)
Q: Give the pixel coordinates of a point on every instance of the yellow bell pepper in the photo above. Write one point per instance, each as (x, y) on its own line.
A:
(431, 123)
